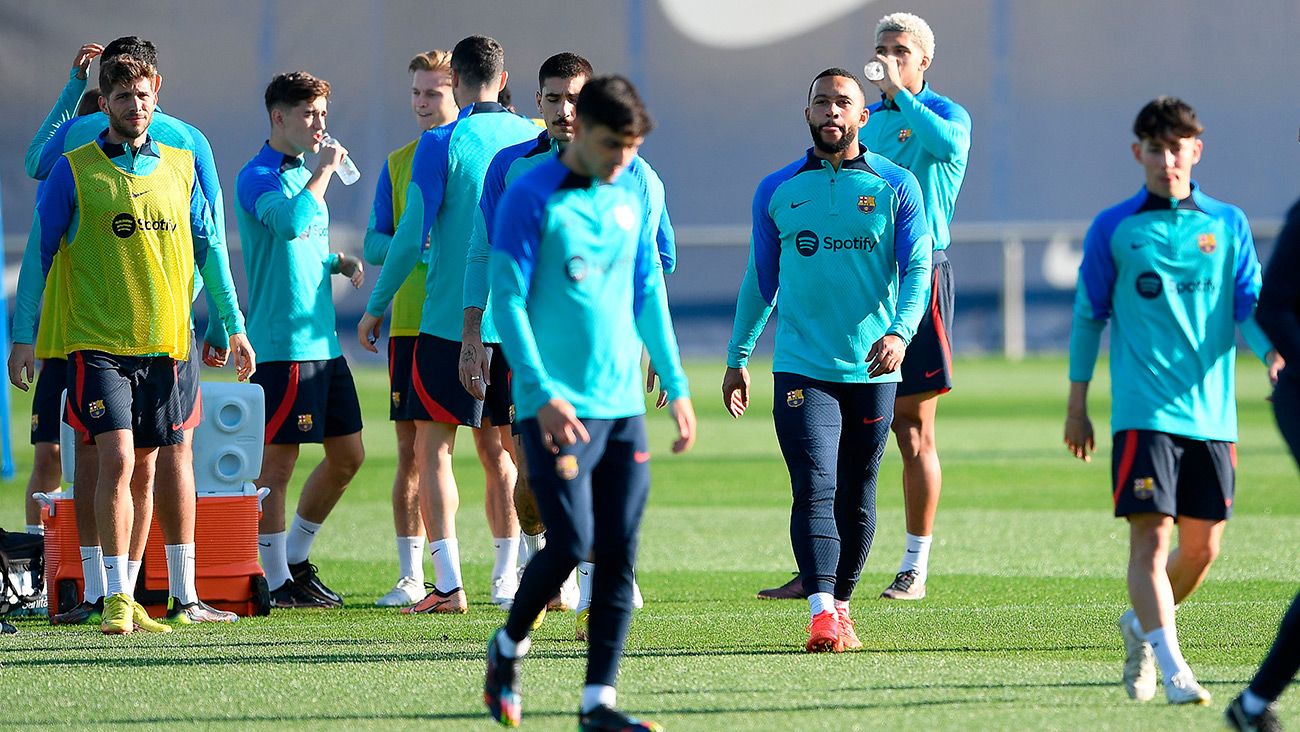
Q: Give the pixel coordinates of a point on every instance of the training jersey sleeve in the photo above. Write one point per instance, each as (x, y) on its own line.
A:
(653, 322)
(55, 207)
(655, 204)
(213, 262)
(65, 108)
(476, 259)
(912, 252)
(205, 168)
(261, 195)
(379, 232)
(31, 287)
(943, 131)
(762, 273)
(1278, 310)
(1092, 302)
(517, 233)
(424, 197)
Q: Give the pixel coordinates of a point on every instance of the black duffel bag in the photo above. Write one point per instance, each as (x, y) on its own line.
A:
(22, 571)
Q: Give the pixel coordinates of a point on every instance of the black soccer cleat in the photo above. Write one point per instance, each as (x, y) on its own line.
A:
(291, 595)
(7, 629)
(501, 694)
(1236, 717)
(792, 590)
(304, 573)
(609, 719)
(86, 613)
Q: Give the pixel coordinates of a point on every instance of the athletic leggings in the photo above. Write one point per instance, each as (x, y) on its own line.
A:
(832, 436)
(591, 497)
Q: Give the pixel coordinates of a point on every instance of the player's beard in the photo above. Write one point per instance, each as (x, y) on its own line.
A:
(833, 148)
(124, 128)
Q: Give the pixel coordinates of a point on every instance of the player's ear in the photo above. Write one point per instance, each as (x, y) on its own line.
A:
(539, 105)
(925, 63)
(157, 83)
(1137, 151)
(103, 103)
(505, 75)
(1196, 151)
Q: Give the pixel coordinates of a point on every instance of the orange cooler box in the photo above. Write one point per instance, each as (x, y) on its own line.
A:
(226, 568)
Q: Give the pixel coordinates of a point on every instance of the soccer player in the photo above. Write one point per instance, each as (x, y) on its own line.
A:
(560, 79)
(311, 398)
(1174, 271)
(433, 105)
(177, 498)
(1278, 314)
(573, 302)
(102, 205)
(46, 465)
(841, 235)
(441, 204)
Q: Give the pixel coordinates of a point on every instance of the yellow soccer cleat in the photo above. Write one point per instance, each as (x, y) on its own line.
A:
(144, 622)
(580, 625)
(117, 615)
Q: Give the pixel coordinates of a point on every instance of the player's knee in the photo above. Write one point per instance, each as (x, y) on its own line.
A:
(345, 463)
(1200, 555)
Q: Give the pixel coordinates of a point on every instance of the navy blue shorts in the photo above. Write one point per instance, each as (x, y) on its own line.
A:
(436, 394)
(308, 401)
(1156, 472)
(927, 365)
(50, 383)
(401, 357)
(188, 383)
(142, 394)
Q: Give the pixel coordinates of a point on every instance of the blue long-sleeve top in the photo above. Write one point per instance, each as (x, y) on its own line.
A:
(1278, 310)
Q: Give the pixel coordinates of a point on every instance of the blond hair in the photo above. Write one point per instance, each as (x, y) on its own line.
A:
(913, 25)
(435, 60)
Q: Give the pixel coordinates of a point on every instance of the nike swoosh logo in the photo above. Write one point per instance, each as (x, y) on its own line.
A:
(177, 427)
(309, 531)
(797, 205)
(109, 566)
(584, 574)
(930, 374)
(1138, 246)
(137, 195)
(913, 551)
(268, 546)
(871, 421)
(435, 551)
(641, 457)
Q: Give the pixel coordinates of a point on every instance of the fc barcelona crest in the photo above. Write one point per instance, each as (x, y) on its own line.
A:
(566, 466)
(96, 408)
(1206, 243)
(904, 135)
(794, 398)
(397, 399)
(866, 204)
(304, 423)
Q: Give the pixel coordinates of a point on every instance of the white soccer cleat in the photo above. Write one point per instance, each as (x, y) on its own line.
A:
(1183, 689)
(638, 601)
(503, 592)
(569, 593)
(1139, 660)
(407, 591)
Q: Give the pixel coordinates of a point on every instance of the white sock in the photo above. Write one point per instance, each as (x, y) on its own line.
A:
(271, 549)
(507, 558)
(842, 606)
(92, 569)
(410, 559)
(529, 545)
(584, 584)
(301, 534)
(116, 576)
(916, 555)
(512, 648)
(1253, 703)
(446, 564)
(1164, 641)
(821, 602)
(180, 573)
(37, 529)
(594, 695)
(132, 574)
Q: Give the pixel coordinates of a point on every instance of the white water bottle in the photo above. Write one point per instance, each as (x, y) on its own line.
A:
(347, 169)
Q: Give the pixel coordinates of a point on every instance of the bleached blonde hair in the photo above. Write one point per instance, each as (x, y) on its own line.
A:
(913, 25)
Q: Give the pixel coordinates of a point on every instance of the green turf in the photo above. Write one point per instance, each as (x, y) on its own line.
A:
(1018, 631)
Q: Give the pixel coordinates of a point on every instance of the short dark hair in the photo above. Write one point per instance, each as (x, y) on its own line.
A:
(134, 46)
(1167, 118)
(123, 70)
(89, 103)
(478, 60)
(839, 72)
(293, 88)
(564, 65)
(613, 102)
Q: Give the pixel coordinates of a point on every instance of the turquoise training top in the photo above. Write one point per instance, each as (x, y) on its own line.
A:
(576, 293)
(508, 166)
(284, 230)
(849, 251)
(928, 134)
(441, 205)
(1174, 278)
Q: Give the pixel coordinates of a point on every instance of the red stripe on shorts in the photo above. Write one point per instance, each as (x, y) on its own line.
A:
(939, 327)
(435, 410)
(1125, 462)
(286, 404)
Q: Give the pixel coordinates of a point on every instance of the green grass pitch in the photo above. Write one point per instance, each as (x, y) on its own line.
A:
(1018, 630)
